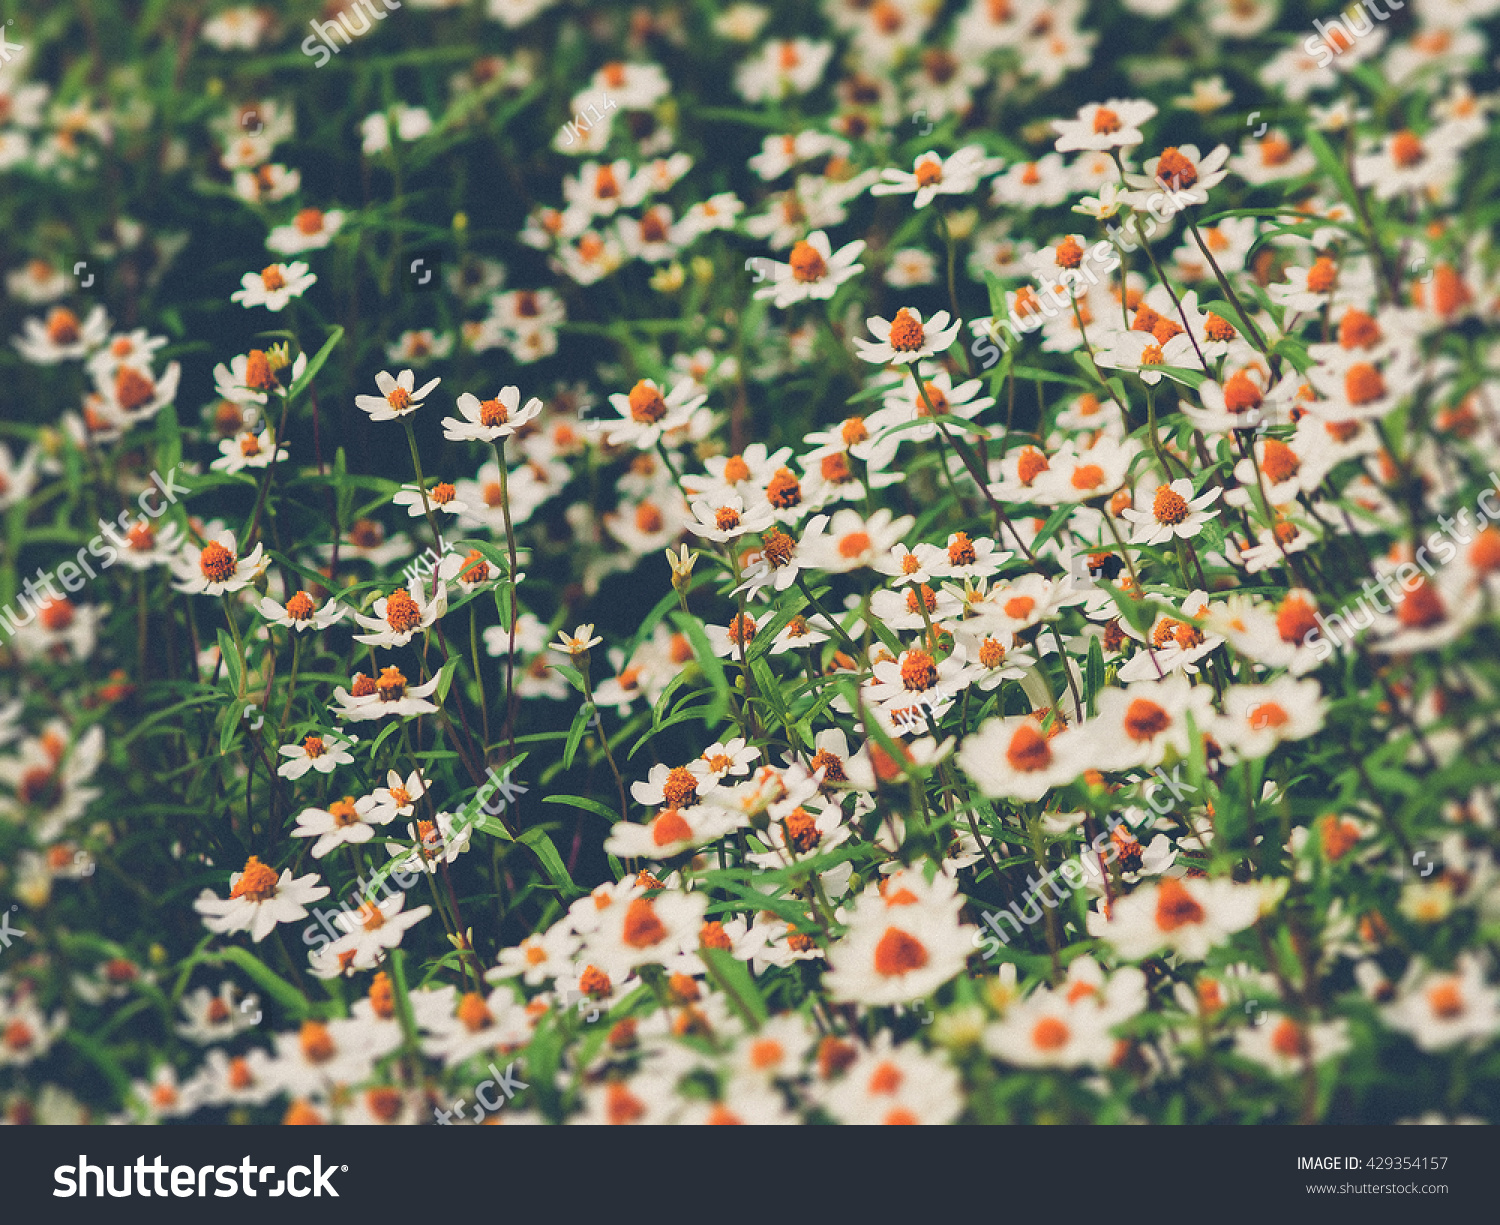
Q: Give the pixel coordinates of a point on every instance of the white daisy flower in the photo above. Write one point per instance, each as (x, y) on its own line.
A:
(274, 286)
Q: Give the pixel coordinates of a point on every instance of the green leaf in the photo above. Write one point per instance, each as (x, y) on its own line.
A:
(661, 703)
(97, 1054)
(871, 393)
(345, 491)
(1182, 374)
(1093, 678)
(1054, 521)
(316, 363)
(1331, 164)
(770, 687)
(575, 733)
(712, 666)
(278, 988)
(734, 979)
(231, 656)
(168, 439)
(539, 841)
(1049, 376)
(227, 729)
(583, 802)
(791, 603)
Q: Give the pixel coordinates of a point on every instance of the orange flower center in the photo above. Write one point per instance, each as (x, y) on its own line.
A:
(1484, 554)
(1087, 476)
(906, 333)
(310, 221)
(1050, 1034)
(217, 563)
(1363, 384)
(1422, 607)
(257, 882)
(1274, 151)
(1031, 464)
(653, 227)
(1406, 149)
(646, 404)
(1321, 275)
(831, 765)
(493, 413)
(855, 544)
(713, 936)
(899, 953)
(777, 547)
(1241, 393)
(1218, 329)
(1279, 461)
(473, 1013)
(642, 927)
(1295, 619)
(1145, 719)
(1290, 1039)
(1169, 507)
(680, 787)
(398, 398)
(801, 830)
(929, 172)
(1175, 906)
(1068, 253)
(132, 388)
(621, 1106)
(1268, 714)
(1106, 122)
(271, 277)
(1358, 330)
(919, 672)
(835, 468)
(1446, 1000)
(401, 612)
(670, 827)
(594, 982)
(1339, 837)
(784, 490)
(1019, 607)
(1028, 750)
(392, 684)
(742, 629)
(475, 568)
(57, 615)
(961, 550)
(62, 326)
(1175, 170)
(935, 394)
(807, 264)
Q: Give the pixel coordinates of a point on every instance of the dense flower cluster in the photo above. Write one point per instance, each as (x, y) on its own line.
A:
(1071, 693)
